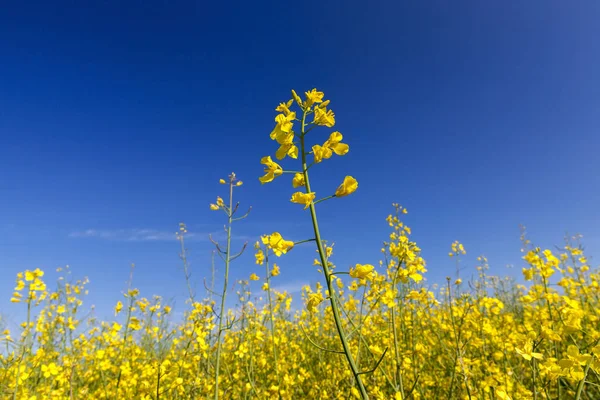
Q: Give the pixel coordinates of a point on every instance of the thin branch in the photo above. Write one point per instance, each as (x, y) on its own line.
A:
(376, 365)
(243, 216)
(240, 253)
(316, 345)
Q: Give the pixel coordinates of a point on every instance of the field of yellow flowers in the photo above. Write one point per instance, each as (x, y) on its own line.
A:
(376, 331)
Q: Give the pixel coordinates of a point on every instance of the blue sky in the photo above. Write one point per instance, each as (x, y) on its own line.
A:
(118, 118)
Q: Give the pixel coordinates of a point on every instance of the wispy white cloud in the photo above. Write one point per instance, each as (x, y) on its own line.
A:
(129, 235)
(151, 235)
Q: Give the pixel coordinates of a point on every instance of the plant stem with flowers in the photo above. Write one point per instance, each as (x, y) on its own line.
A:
(226, 256)
(285, 137)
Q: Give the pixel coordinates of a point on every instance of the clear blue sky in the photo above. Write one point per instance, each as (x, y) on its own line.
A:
(118, 118)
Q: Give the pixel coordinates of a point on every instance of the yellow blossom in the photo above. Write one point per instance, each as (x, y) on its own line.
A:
(276, 243)
(347, 187)
(298, 180)
(361, 271)
(303, 198)
(324, 117)
(272, 170)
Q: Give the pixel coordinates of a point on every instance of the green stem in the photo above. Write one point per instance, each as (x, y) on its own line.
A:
(272, 318)
(581, 383)
(327, 272)
(24, 346)
(224, 294)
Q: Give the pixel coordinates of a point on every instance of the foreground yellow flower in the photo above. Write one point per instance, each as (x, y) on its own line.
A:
(314, 299)
(285, 107)
(324, 117)
(362, 271)
(284, 125)
(332, 145)
(335, 144)
(303, 198)
(313, 97)
(347, 187)
(298, 180)
(276, 243)
(287, 146)
(320, 152)
(272, 170)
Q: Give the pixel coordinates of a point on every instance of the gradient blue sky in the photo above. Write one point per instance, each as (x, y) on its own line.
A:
(118, 119)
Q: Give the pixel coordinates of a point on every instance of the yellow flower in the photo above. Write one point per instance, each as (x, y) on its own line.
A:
(347, 187)
(239, 183)
(272, 170)
(303, 198)
(298, 180)
(314, 299)
(254, 277)
(220, 202)
(275, 270)
(331, 145)
(29, 276)
(320, 152)
(324, 117)
(222, 181)
(260, 257)
(284, 125)
(214, 207)
(527, 351)
(20, 285)
(297, 98)
(16, 297)
(50, 370)
(37, 285)
(287, 146)
(285, 107)
(118, 308)
(334, 143)
(362, 271)
(313, 97)
(276, 243)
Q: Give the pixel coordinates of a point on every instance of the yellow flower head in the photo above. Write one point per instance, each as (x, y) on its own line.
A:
(331, 145)
(347, 187)
(287, 146)
(272, 170)
(335, 144)
(303, 198)
(284, 125)
(276, 243)
(362, 271)
(222, 181)
(320, 152)
(260, 257)
(324, 117)
(275, 270)
(313, 97)
(285, 107)
(298, 180)
(314, 299)
(254, 277)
